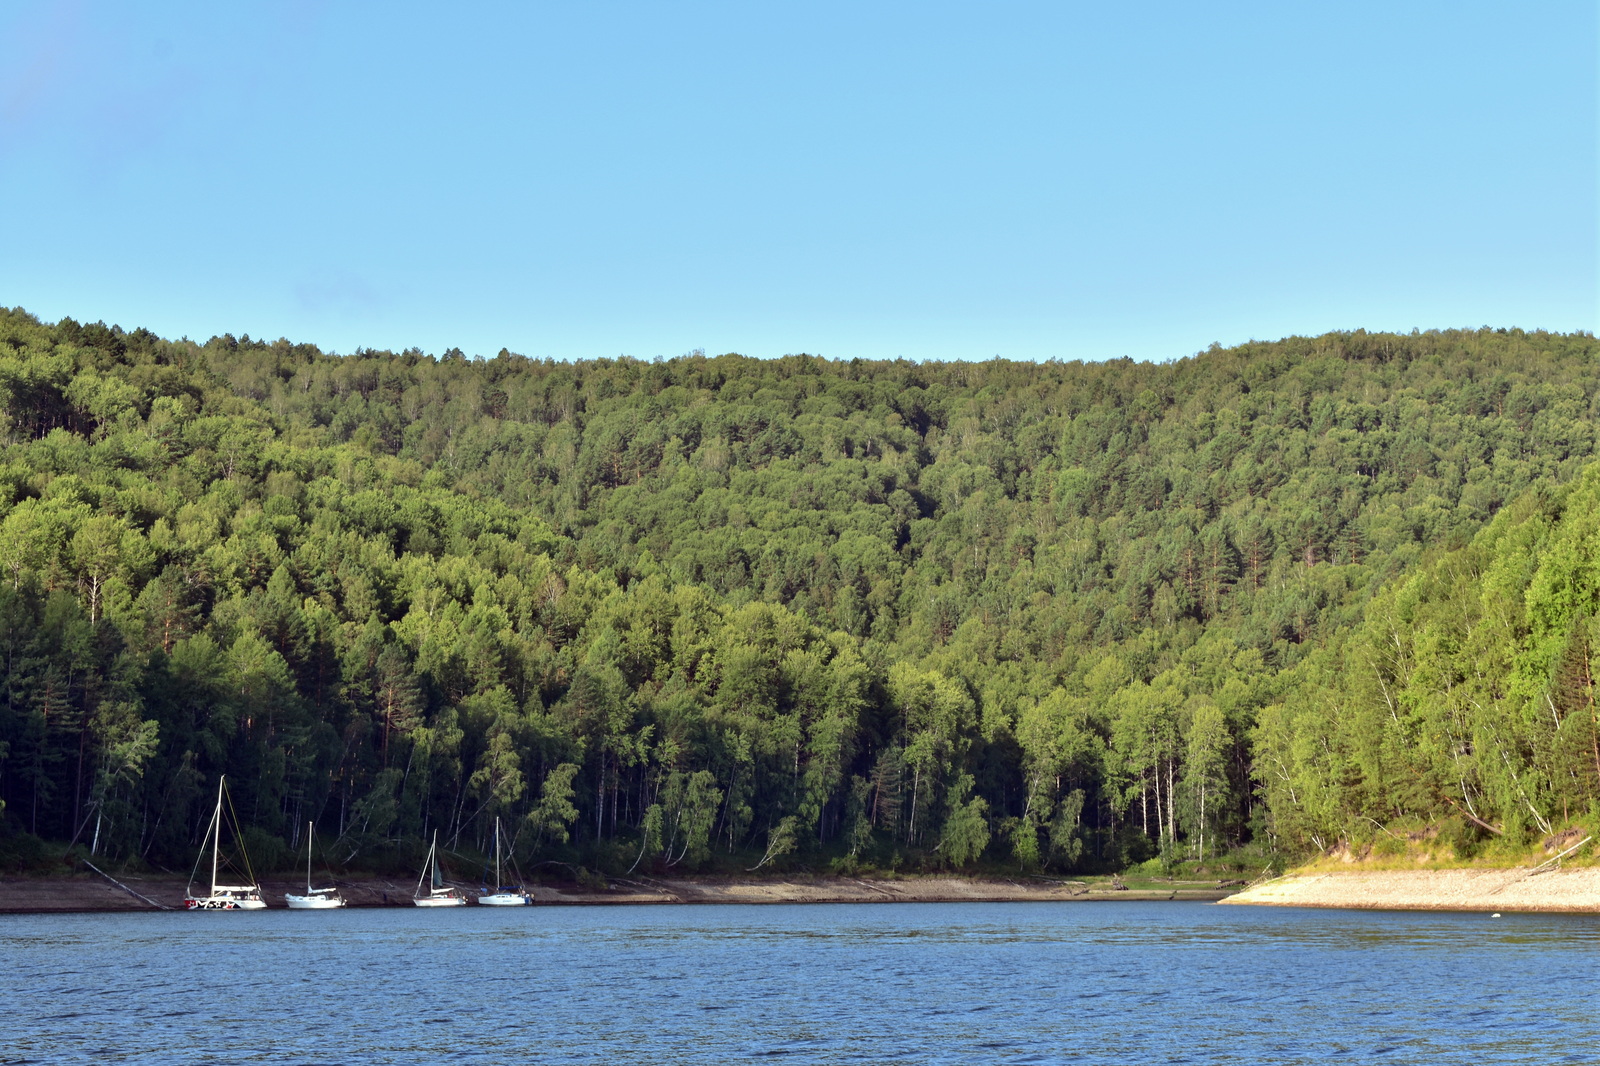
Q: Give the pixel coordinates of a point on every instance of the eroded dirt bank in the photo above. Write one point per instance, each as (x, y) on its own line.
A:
(93, 893)
(1568, 890)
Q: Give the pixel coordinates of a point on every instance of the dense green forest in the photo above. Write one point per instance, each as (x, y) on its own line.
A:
(707, 612)
(1465, 700)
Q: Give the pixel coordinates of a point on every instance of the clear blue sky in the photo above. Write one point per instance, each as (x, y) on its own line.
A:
(938, 181)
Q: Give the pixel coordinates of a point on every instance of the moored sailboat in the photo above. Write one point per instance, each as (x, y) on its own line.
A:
(504, 895)
(438, 893)
(315, 899)
(221, 897)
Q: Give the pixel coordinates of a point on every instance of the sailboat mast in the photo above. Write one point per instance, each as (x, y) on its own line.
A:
(216, 843)
(310, 828)
(498, 880)
(428, 865)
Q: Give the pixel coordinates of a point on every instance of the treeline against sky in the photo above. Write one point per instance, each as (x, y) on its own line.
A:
(720, 610)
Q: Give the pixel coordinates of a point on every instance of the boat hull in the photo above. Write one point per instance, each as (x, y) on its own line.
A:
(222, 903)
(313, 903)
(441, 901)
(505, 899)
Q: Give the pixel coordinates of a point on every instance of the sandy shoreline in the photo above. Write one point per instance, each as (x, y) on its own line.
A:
(92, 893)
(1574, 890)
(1561, 890)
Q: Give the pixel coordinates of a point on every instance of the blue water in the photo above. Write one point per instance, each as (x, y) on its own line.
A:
(880, 983)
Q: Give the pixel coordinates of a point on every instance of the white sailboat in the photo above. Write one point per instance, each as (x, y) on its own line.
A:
(504, 895)
(438, 894)
(315, 899)
(223, 897)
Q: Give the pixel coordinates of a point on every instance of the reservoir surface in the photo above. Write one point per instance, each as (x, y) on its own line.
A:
(865, 983)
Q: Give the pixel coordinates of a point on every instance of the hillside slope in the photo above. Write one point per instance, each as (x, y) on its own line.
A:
(651, 613)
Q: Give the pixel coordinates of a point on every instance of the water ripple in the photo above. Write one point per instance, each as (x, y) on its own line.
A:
(958, 983)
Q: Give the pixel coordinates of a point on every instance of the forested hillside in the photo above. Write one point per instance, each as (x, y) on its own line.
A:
(716, 610)
(1466, 699)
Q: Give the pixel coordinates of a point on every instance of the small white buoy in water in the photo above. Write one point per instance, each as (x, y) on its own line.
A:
(1496, 914)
